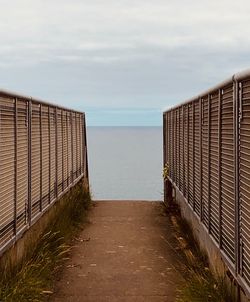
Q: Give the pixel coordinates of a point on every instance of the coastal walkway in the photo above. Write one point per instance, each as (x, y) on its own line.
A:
(127, 252)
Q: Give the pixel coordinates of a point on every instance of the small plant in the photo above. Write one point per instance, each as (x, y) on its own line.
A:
(165, 172)
(203, 286)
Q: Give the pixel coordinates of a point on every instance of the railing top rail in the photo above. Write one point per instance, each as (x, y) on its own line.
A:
(9, 93)
(236, 77)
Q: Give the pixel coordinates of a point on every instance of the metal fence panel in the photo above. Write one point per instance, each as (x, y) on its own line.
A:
(43, 152)
(208, 149)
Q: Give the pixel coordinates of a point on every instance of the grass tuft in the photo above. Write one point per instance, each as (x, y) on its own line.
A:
(32, 279)
(201, 284)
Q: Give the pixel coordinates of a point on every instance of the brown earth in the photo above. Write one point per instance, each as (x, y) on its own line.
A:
(126, 253)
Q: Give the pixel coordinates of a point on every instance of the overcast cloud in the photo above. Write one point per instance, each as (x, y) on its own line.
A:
(112, 58)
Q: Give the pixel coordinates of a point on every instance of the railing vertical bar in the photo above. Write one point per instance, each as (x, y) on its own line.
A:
(193, 155)
(49, 137)
(56, 150)
(208, 160)
(240, 117)
(188, 166)
(83, 146)
(188, 185)
(236, 171)
(41, 158)
(76, 133)
(201, 158)
(176, 149)
(72, 149)
(179, 149)
(29, 205)
(176, 153)
(183, 152)
(86, 150)
(164, 151)
(165, 134)
(219, 167)
(67, 137)
(62, 134)
(173, 147)
(168, 141)
(171, 144)
(182, 149)
(80, 144)
(15, 164)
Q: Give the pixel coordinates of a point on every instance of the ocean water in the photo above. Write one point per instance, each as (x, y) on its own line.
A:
(125, 162)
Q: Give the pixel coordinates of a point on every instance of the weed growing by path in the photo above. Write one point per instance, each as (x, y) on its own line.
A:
(32, 280)
(201, 285)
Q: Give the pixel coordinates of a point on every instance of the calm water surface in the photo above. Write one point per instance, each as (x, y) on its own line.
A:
(125, 162)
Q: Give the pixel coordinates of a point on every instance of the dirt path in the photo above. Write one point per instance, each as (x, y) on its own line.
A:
(126, 253)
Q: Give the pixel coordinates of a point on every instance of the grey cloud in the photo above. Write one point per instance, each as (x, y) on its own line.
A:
(121, 53)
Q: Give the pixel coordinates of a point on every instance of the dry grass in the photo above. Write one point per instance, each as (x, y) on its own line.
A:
(201, 284)
(32, 280)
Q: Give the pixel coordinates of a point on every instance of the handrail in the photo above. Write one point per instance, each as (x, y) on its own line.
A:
(236, 77)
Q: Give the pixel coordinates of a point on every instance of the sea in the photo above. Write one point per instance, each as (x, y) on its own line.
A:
(125, 163)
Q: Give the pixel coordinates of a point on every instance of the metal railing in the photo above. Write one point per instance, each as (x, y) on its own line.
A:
(207, 148)
(43, 153)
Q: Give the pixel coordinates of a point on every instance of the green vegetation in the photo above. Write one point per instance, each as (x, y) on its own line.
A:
(201, 284)
(32, 280)
(165, 172)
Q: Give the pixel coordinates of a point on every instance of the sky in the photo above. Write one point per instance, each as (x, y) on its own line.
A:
(122, 62)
